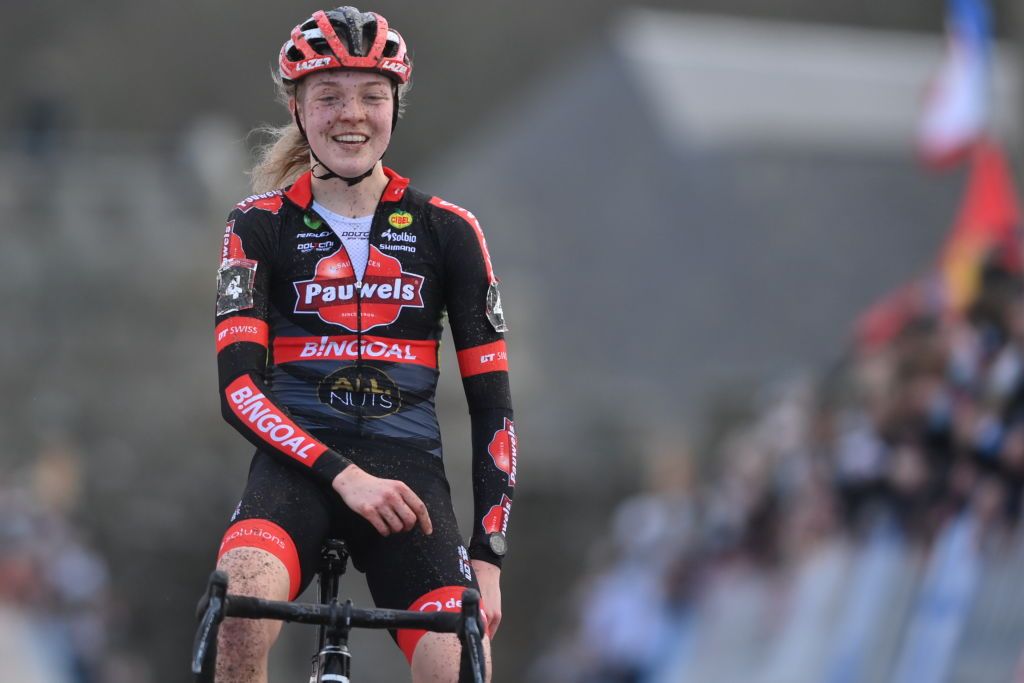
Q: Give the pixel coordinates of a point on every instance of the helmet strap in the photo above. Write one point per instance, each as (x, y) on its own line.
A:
(353, 180)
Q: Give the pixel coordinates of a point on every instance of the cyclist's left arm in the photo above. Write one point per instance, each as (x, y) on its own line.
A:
(477, 323)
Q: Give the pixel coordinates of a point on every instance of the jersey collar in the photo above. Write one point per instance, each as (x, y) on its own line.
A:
(301, 191)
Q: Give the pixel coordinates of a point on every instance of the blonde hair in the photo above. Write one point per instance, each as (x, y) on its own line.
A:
(285, 157)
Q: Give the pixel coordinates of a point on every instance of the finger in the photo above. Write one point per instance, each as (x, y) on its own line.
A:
(406, 514)
(493, 620)
(418, 507)
(391, 519)
(375, 520)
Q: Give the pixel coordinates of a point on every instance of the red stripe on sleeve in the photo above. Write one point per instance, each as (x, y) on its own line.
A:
(471, 219)
(242, 329)
(265, 535)
(266, 420)
(484, 358)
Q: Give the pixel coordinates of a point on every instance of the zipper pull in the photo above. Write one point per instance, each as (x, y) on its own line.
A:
(359, 285)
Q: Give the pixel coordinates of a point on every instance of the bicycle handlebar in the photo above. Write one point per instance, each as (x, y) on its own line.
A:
(216, 604)
(211, 608)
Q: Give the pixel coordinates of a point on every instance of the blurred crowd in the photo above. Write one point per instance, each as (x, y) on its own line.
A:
(862, 526)
(53, 585)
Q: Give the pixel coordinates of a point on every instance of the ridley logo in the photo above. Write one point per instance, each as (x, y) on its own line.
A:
(496, 520)
(337, 298)
(503, 450)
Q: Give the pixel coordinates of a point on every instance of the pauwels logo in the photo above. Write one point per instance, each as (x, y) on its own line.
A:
(337, 298)
(496, 521)
(503, 450)
(267, 201)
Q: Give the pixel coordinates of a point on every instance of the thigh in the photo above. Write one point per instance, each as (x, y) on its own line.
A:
(402, 568)
(285, 512)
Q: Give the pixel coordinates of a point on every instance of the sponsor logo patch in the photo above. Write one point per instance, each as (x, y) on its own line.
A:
(395, 66)
(496, 521)
(361, 390)
(312, 63)
(333, 293)
(464, 567)
(254, 409)
(313, 222)
(503, 450)
(392, 236)
(232, 247)
(268, 201)
(400, 220)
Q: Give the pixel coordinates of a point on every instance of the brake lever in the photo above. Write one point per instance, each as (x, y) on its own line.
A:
(210, 611)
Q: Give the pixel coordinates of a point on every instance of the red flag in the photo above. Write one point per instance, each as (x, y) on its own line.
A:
(987, 225)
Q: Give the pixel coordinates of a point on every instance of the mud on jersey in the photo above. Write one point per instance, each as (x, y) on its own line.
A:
(303, 346)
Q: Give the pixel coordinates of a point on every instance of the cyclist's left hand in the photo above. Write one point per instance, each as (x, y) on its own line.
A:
(489, 576)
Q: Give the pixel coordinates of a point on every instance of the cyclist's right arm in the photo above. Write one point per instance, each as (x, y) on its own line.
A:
(243, 337)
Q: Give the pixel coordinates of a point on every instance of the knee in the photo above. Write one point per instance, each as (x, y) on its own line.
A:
(437, 657)
(255, 573)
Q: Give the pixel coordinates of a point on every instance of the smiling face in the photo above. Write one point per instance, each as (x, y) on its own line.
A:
(347, 118)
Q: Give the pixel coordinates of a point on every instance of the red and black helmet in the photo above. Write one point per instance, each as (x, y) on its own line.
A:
(345, 38)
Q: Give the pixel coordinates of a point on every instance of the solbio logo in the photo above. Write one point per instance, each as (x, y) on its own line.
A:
(400, 220)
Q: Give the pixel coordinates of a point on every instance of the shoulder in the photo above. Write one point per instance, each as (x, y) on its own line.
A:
(453, 220)
(265, 202)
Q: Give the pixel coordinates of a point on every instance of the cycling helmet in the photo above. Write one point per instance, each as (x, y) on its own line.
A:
(344, 38)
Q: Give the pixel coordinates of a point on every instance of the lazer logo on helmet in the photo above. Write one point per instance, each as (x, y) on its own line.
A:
(312, 64)
(338, 298)
(397, 67)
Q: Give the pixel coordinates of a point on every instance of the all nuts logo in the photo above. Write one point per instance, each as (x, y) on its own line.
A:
(334, 295)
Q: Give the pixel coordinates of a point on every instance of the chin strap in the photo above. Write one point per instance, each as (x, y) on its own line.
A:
(330, 174)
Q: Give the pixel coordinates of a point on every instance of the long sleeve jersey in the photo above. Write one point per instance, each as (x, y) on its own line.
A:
(304, 347)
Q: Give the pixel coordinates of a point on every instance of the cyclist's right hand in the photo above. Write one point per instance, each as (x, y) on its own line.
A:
(388, 504)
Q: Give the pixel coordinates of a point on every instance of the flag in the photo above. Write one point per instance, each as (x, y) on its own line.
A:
(884, 320)
(957, 104)
(987, 226)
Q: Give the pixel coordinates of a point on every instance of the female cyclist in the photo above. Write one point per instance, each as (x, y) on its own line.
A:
(331, 296)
